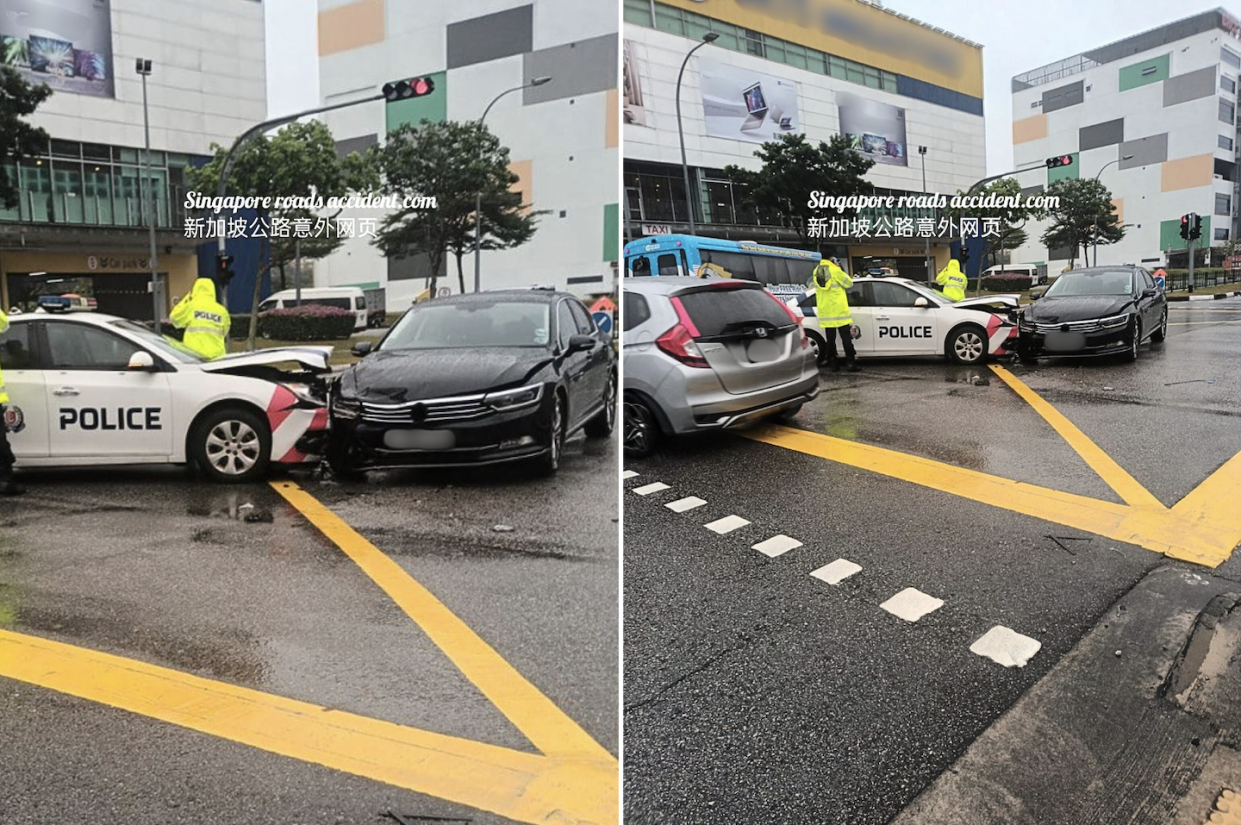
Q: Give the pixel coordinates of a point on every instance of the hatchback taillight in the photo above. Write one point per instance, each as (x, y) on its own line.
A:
(679, 344)
(805, 342)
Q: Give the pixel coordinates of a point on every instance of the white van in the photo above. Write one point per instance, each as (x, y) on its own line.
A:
(342, 297)
(1036, 274)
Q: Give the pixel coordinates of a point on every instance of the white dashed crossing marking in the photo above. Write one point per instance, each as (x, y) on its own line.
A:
(651, 488)
(777, 545)
(837, 571)
(628, 474)
(912, 604)
(726, 524)
(1006, 647)
(683, 504)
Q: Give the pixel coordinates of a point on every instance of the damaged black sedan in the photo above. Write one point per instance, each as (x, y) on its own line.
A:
(474, 380)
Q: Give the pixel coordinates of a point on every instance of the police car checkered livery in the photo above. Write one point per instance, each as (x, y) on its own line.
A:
(900, 317)
(98, 390)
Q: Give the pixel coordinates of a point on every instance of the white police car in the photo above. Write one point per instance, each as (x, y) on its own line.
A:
(900, 317)
(88, 389)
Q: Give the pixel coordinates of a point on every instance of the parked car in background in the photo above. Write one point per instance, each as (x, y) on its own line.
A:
(704, 355)
(1035, 272)
(476, 379)
(1106, 310)
(343, 297)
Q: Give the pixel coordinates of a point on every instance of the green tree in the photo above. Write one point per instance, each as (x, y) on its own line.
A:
(1011, 215)
(793, 170)
(454, 163)
(297, 161)
(18, 139)
(1084, 204)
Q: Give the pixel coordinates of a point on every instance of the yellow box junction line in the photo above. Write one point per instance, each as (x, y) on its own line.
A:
(1204, 528)
(573, 781)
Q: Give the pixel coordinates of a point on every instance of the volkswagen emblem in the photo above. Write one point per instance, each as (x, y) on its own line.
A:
(418, 413)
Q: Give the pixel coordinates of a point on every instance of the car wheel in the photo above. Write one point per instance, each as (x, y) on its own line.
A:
(601, 425)
(548, 463)
(1160, 334)
(1025, 355)
(340, 457)
(1132, 353)
(816, 346)
(968, 345)
(641, 429)
(231, 445)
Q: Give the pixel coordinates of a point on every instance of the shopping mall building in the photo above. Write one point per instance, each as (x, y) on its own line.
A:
(80, 226)
(818, 68)
(563, 135)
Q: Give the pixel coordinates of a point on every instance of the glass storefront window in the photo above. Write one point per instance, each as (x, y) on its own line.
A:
(97, 195)
(36, 188)
(67, 191)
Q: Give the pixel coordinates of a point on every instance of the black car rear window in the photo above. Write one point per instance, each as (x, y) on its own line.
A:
(717, 311)
(634, 310)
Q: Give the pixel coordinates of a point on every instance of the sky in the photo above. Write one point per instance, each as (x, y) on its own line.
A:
(1016, 37)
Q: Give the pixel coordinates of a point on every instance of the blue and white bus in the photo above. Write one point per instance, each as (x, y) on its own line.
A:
(782, 270)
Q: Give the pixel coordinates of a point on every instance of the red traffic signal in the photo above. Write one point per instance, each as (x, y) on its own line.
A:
(1061, 160)
(405, 89)
(1185, 227)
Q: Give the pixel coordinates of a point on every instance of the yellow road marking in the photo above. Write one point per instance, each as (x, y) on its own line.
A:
(520, 786)
(1125, 485)
(545, 725)
(1182, 534)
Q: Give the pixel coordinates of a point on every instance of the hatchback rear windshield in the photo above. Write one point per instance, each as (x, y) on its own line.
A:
(718, 311)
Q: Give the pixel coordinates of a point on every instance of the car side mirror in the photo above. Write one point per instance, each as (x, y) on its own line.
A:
(141, 362)
(922, 302)
(1150, 293)
(362, 348)
(1036, 294)
(580, 343)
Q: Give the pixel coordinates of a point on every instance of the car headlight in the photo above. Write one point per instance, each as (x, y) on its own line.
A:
(304, 392)
(346, 407)
(506, 400)
(1114, 321)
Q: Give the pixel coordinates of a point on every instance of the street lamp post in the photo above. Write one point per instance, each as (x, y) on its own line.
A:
(1095, 245)
(930, 268)
(709, 37)
(144, 68)
(478, 197)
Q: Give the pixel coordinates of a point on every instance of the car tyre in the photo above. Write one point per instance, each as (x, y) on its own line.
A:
(604, 422)
(968, 345)
(231, 445)
(641, 429)
(1160, 334)
(549, 462)
(1132, 353)
(338, 458)
(817, 345)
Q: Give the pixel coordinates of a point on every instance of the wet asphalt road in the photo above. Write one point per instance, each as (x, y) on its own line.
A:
(754, 692)
(232, 584)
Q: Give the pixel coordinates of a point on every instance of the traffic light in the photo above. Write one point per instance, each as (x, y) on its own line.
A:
(1060, 160)
(1195, 230)
(1185, 227)
(405, 89)
(223, 268)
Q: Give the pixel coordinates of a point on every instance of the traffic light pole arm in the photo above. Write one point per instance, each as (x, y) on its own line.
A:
(263, 127)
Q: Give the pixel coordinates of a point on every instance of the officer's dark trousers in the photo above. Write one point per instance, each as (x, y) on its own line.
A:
(7, 460)
(846, 340)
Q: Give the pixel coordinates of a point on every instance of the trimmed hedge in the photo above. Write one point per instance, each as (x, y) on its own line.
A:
(311, 322)
(1007, 282)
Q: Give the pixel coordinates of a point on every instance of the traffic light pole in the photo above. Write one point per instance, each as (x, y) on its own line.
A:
(259, 129)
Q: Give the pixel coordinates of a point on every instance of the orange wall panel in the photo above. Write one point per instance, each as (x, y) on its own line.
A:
(351, 27)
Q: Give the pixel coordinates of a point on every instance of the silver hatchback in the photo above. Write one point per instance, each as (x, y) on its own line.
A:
(705, 355)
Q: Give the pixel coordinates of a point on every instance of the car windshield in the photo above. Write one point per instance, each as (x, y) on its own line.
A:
(168, 347)
(472, 324)
(1092, 282)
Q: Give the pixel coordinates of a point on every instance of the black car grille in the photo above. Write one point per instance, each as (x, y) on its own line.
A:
(1070, 326)
(429, 411)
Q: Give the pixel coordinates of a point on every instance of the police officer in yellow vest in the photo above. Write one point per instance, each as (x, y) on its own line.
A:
(204, 320)
(8, 487)
(831, 284)
(953, 280)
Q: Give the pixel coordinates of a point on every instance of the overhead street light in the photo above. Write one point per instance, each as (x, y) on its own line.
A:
(709, 37)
